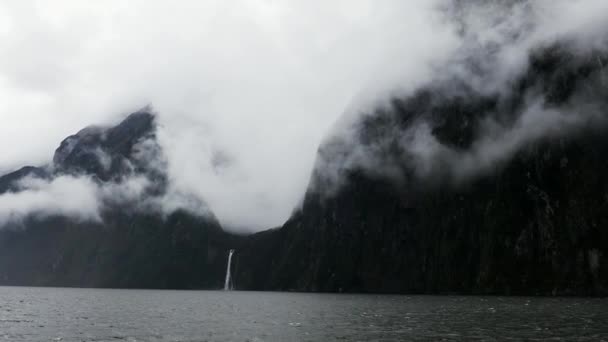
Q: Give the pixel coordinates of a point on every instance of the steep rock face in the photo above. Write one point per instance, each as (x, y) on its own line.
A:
(130, 246)
(457, 217)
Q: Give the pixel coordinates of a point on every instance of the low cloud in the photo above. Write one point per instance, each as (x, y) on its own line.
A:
(65, 195)
(497, 43)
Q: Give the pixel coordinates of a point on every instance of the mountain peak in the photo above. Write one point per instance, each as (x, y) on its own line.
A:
(101, 151)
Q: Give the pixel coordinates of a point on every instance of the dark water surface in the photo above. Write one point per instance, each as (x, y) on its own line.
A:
(59, 314)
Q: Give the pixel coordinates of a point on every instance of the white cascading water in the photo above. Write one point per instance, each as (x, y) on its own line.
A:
(227, 284)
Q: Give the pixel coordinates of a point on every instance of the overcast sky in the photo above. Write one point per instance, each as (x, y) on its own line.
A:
(255, 84)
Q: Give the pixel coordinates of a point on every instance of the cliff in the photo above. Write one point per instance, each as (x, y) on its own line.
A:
(456, 190)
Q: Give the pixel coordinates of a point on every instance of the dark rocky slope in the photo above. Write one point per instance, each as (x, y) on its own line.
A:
(532, 222)
(130, 247)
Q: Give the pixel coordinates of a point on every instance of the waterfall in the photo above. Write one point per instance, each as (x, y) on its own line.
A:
(227, 282)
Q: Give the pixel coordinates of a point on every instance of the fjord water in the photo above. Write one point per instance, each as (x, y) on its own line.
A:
(63, 314)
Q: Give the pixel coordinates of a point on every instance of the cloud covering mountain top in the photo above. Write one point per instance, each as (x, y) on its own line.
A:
(245, 91)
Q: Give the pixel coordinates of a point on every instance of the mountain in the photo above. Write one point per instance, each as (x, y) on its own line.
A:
(9, 182)
(454, 189)
(459, 187)
(134, 243)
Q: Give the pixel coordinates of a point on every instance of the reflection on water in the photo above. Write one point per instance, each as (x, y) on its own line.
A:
(47, 314)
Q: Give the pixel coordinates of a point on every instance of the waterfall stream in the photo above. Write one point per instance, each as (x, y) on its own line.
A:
(228, 282)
